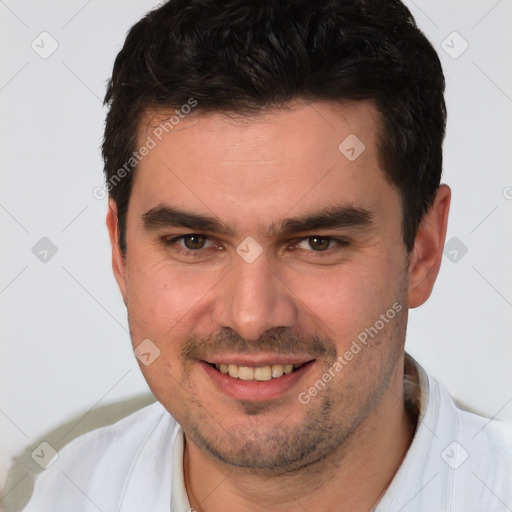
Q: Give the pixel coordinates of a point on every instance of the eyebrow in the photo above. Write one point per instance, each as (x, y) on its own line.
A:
(336, 217)
(169, 216)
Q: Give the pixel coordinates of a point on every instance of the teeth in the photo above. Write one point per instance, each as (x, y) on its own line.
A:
(245, 373)
(277, 371)
(263, 373)
(260, 373)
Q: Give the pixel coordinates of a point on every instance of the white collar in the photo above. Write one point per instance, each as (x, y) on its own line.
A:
(179, 497)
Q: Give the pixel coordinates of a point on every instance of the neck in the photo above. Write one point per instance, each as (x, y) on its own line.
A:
(353, 478)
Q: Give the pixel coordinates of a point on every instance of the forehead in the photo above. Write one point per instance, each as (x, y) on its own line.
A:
(266, 134)
(277, 162)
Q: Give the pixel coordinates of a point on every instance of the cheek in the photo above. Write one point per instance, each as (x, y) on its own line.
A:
(163, 306)
(161, 298)
(346, 300)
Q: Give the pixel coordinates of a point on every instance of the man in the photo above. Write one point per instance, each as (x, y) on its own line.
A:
(275, 209)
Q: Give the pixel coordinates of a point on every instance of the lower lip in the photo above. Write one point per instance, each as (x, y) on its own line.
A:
(253, 390)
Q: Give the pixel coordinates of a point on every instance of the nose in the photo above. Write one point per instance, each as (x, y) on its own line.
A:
(252, 299)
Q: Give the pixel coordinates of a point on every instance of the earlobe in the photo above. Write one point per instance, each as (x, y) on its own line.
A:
(425, 258)
(118, 260)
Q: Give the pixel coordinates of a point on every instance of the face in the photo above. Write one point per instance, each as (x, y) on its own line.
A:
(260, 247)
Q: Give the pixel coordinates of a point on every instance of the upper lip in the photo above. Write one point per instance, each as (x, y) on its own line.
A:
(255, 360)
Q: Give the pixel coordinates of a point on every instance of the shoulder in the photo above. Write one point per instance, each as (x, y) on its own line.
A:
(476, 453)
(457, 461)
(92, 471)
(485, 447)
(89, 450)
(485, 440)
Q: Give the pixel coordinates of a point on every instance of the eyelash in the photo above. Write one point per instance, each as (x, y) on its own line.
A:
(169, 242)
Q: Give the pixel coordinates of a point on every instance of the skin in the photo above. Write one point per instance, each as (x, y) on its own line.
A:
(341, 450)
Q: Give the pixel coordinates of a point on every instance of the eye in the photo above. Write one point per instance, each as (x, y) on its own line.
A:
(320, 243)
(191, 241)
(194, 241)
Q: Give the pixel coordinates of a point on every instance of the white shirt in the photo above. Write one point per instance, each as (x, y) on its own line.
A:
(457, 462)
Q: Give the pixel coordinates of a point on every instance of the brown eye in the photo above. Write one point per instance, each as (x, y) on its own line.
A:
(318, 243)
(194, 242)
(190, 246)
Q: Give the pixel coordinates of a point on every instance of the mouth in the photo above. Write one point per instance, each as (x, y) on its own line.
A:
(257, 373)
(257, 379)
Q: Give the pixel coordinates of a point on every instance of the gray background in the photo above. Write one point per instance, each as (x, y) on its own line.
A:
(67, 365)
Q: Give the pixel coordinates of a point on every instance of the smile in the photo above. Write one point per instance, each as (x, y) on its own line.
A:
(256, 377)
(259, 373)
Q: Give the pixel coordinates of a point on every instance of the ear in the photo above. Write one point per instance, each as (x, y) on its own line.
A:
(118, 261)
(425, 258)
